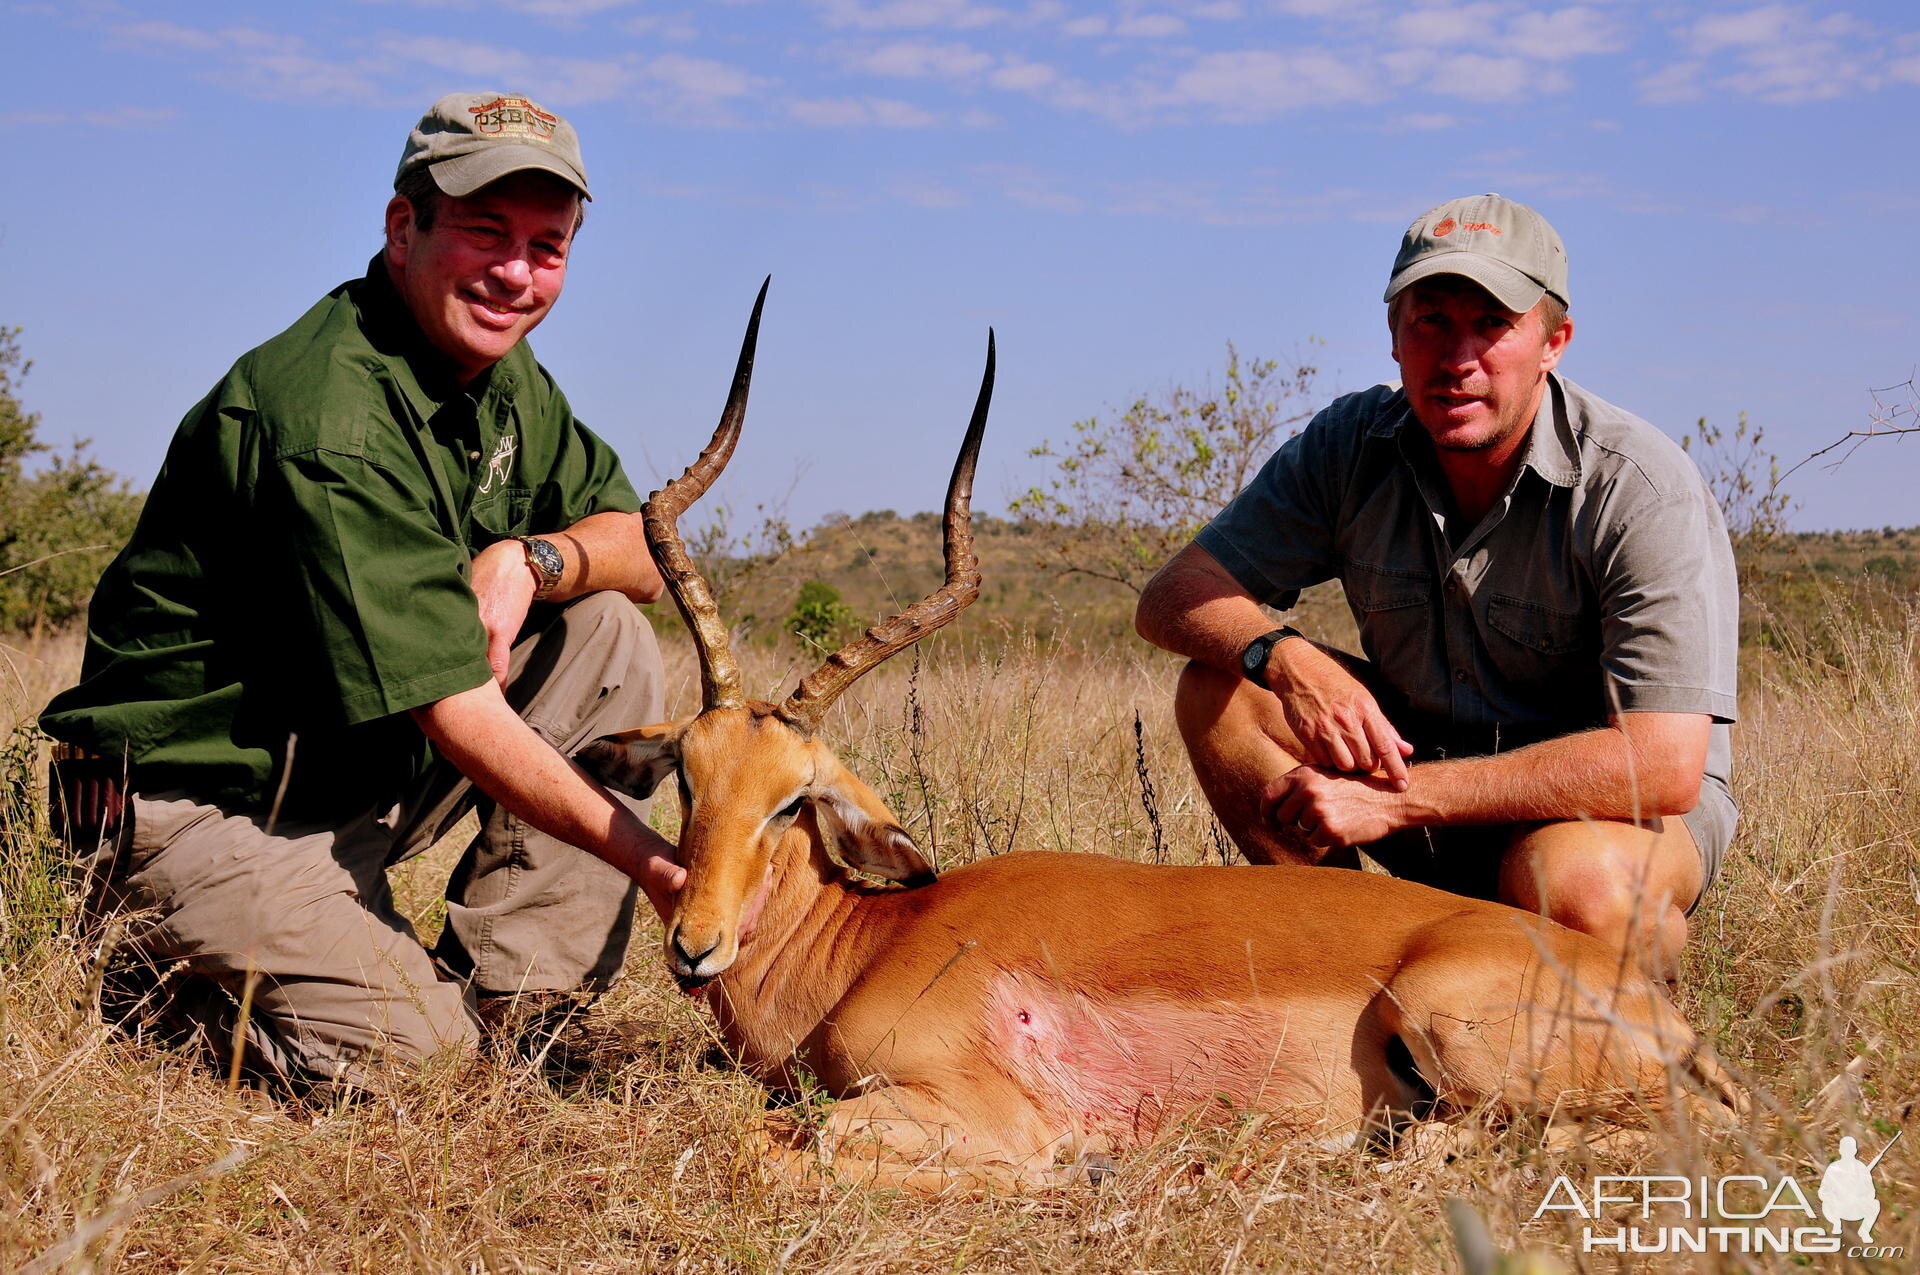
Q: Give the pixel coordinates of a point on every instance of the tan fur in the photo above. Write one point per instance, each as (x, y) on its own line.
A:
(1034, 1008)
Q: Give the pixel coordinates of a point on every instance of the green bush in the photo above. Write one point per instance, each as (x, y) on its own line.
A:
(819, 616)
(59, 525)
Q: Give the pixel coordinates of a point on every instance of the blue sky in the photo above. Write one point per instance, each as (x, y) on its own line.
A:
(1119, 189)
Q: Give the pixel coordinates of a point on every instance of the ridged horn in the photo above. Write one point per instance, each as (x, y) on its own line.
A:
(817, 691)
(719, 672)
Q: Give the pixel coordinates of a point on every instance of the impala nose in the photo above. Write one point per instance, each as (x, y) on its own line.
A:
(689, 962)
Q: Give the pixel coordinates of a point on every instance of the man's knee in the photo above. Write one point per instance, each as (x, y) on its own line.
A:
(1604, 879)
(612, 618)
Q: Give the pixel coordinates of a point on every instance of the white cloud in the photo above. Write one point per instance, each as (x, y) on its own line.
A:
(1150, 26)
(1782, 53)
(1020, 76)
(1480, 78)
(1029, 187)
(1679, 82)
(1083, 27)
(893, 15)
(1730, 30)
(920, 59)
(1321, 8)
(103, 117)
(676, 29)
(1443, 26)
(1569, 33)
(859, 112)
(565, 10)
(926, 193)
(693, 80)
(1254, 84)
(571, 80)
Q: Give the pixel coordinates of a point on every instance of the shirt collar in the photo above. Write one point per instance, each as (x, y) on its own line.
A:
(1550, 450)
(391, 329)
(1550, 447)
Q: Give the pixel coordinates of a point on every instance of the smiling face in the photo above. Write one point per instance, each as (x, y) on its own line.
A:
(1474, 370)
(488, 270)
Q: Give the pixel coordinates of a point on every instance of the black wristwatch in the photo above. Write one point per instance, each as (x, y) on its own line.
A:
(1253, 660)
(545, 559)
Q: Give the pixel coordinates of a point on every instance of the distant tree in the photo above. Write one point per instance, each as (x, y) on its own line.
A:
(1745, 478)
(58, 526)
(1128, 491)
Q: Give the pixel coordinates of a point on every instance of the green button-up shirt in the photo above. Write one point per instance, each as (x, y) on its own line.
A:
(300, 571)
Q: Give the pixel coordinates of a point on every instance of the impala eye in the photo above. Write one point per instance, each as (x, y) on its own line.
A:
(792, 808)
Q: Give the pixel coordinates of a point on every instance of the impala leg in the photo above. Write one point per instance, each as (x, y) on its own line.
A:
(1521, 1029)
(907, 1139)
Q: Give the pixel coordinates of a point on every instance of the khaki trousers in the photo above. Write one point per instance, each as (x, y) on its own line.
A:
(298, 920)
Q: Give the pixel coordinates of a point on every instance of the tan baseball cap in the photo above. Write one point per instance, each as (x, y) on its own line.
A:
(470, 139)
(1505, 247)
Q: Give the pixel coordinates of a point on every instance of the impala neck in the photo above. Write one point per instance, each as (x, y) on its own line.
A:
(813, 937)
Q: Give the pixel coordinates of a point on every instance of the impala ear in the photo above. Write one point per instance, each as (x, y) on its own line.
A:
(862, 830)
(634, 761)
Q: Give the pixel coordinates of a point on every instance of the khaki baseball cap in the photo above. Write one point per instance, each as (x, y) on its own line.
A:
(1505, 247)
(470, 139)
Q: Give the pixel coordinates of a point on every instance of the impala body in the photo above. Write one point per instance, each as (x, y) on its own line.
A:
(1036, 1007)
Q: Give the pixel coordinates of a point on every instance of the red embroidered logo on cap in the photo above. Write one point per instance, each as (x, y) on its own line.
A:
(1444, 229)
(513, 115)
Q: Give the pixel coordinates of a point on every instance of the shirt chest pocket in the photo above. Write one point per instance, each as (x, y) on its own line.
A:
(1537, 628)
(1394, 609)
(505, 511)
(1539, 647)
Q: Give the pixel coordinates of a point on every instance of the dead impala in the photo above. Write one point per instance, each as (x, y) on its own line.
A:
(1036, 1007)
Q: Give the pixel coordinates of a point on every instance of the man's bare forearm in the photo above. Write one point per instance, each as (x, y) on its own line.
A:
(1648, 764)
(1193, 607)
(606, 551)
(479, 733)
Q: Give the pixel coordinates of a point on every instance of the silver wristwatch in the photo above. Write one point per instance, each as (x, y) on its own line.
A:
(544, 557)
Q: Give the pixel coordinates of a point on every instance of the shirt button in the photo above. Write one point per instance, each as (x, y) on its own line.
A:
(1459, 675)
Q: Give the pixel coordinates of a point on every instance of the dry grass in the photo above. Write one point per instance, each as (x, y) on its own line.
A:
(1803, 974)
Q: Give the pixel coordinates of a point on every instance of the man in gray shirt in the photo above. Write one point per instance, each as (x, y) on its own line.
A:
(1546, 602)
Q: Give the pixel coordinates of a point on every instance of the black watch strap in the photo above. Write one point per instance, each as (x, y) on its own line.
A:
(1253, 660)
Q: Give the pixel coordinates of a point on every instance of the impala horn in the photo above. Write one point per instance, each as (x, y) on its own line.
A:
(817, 691)
(719, 671)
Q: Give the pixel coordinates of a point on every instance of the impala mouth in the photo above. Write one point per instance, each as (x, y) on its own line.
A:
(692, 984)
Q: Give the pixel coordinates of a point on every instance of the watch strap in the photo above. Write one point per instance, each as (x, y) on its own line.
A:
(1253, 660)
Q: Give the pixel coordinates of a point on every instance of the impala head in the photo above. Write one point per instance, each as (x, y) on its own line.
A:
(749, 772)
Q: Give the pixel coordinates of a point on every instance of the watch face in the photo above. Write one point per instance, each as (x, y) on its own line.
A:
(546, 557)
(1253, 661)
(547, 561)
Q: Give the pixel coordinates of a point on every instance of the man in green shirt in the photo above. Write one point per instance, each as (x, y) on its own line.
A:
(383, 576)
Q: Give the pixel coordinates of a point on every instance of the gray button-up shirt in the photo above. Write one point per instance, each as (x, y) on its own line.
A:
(1602, 579)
